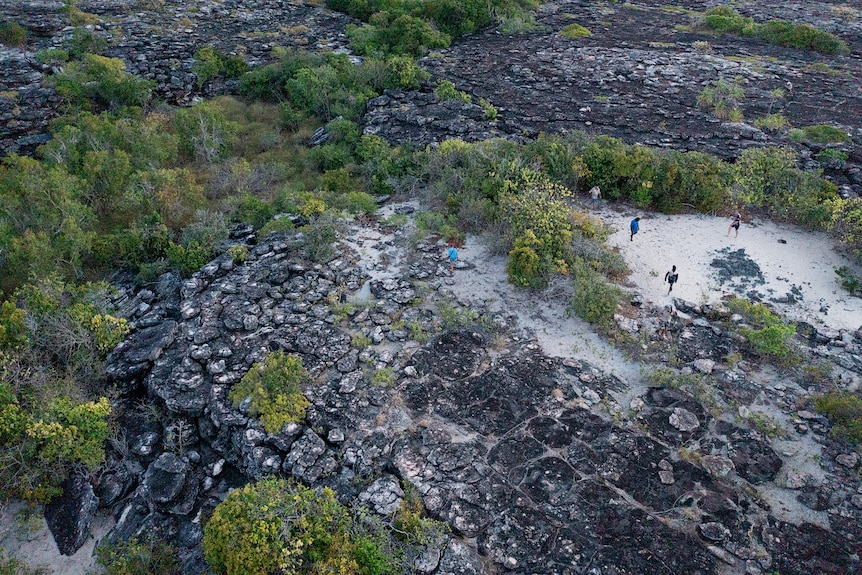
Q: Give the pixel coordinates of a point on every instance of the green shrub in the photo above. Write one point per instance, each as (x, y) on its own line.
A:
(52, 56)
(276, 526)
(273, 387)
(771, 122)
(844, 410)
(595, 300)
(104, 81)
(802, 36)
(770, 336)
(252, 210)
(210, 62)
(13, 34)
(84, 42)
(847, 224)
(320, 235)
(575, 31)
(490, 110)
(329, 156)
(724, 19)
(205, 134)
(446, 90)
(238, 253)
(276, 225)
(12, 566)
(13, 330)
(384, 377)
(188, 258)
(832, 157)
(820, 134)
(136, 556)
(848, 279)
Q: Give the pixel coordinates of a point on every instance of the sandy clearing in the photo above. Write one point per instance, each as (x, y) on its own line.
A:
(691, 241)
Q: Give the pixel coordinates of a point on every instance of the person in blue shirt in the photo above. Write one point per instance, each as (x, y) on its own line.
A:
(634, 227)
(453, 256)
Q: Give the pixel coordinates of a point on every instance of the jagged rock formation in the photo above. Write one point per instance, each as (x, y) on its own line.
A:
(515, 450)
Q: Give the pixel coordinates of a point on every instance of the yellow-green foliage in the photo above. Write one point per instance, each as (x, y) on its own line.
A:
(770, 336)
(276, 526)
(575, 31)
(238, 253)
(138, 557)
(847, 224)
(772, 122)
(108, 331)
(274, 388)
(446, 91)
(844, 410)
(536, 211)
(820, 134)
(71, 432)
(595, 300)
(13, 331)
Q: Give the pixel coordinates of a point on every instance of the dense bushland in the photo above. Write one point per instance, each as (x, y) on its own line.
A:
(412, 27)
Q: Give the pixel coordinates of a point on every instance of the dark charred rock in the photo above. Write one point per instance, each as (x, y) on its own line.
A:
(165, 478)
(70, 515)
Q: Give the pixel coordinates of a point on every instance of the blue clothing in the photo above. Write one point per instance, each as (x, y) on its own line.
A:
(634, 226)
(453, 253)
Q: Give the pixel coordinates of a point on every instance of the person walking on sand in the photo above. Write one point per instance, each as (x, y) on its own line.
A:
(634, 226)
(734, 225)
(595, 194)
(453, 256)
(671, 277)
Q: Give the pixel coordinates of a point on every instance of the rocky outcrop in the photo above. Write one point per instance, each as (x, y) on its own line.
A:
(70, 515)
(529, 459)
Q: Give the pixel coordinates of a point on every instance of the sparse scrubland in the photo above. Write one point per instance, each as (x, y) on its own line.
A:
(134, 185)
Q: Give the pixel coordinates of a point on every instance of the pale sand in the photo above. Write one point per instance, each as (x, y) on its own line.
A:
(691, 241)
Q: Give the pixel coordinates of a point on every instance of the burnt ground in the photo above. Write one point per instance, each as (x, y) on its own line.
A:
(638, 75)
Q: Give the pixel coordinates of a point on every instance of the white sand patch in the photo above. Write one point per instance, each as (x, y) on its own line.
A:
(691, 241)
(33, 544)
(560, 334)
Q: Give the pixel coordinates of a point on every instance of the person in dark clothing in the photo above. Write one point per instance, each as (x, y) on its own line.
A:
(634, 226)
(671, 277)
(734, 225)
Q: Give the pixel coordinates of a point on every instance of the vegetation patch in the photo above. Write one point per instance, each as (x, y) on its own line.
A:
(12, 34)
(820, 134)
(273, 389)
(277, 526)
(769, 336)
(724, 19)
(844, 410)
(575, 31)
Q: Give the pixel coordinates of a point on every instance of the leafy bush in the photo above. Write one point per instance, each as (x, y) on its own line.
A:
(238, 253)
(802, 36)
(273, 388)
(820, 134)
(52, 56)
(771, 122)
(83, 42)
(844, 410)
(188, 258)
(209, 62)
(446, 90)
(103, 81)
(204, 132)
(136, 556)
(847, 224)
(595, 299)
(575, 31)
(770, 336)
(276, 526)
(724, 19)
(13, 330)
(849, 282)
(12, 34)
(320, 235)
